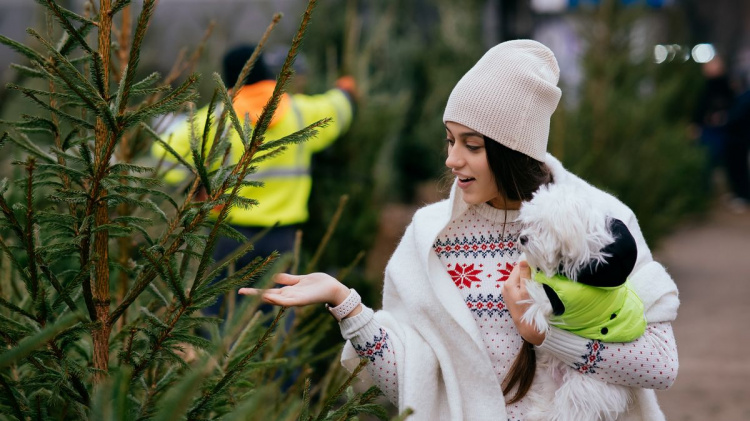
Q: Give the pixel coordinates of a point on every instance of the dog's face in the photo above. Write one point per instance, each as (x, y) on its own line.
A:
(561, 232)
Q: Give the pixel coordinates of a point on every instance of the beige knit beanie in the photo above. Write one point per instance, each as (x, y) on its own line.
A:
(509, 96)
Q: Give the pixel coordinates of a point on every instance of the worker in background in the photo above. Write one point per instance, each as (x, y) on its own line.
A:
(282, 201)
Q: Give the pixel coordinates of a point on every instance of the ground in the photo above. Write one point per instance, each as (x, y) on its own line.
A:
(710, 262)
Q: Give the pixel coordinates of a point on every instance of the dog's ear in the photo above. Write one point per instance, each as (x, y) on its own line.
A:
(616, 268)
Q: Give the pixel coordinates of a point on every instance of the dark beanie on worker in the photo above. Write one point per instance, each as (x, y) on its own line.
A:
(234, 61)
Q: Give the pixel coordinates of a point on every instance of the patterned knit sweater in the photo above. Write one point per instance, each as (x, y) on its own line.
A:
(479, 250)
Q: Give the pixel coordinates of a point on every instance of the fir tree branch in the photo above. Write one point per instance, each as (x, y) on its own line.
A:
(57, 285)
(232, 374)
(158, 343)
(14, 405)
(60, 14)
(10, 216)
(135, 51)
(22, 49)
(30, 343)
(284, 76)
(327, 236)
(167, 276)
(168, 148)
(19, 310)
(76, 82)
(29, 234)
(119, 5)
(61, 114)
(250, 63)
(335, 396)
(83, 394)
(171, 102)
(261, 126)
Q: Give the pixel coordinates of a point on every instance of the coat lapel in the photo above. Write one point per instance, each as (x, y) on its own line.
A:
(427, 228)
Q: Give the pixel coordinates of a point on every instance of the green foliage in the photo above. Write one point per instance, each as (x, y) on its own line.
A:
(406, 56)
(103, 273)
(628, 133)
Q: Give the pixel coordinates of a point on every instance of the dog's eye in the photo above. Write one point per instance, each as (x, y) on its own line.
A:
(523, 239)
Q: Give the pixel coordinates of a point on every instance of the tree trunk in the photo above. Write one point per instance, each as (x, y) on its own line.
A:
(100, 287)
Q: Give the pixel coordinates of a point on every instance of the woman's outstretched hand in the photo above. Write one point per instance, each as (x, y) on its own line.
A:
(301, 290)
(514, 290)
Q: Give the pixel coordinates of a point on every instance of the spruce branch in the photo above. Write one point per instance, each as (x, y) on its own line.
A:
(10, 216)
(327, 236)
(65, 116)
(166, 273)
(29, 234)
(243, 276)
(28, 72)
(173, 101)
(328, 405)
(261, 126)
(68, 14)
(10, 394)
(22, 49)
(250, 63)
(15, 308)
(158, 343)
(119, 5)
(299, 136)
(58, 286)
(29, 119)
(264, 120)
(76, 82)
(135, 51)
(62, 16)
(31, 343)
(231, 375)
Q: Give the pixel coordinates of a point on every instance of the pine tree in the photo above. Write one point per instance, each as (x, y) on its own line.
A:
(628, 132)
(104, 272)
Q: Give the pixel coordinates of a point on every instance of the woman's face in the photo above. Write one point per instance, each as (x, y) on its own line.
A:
(467, 160)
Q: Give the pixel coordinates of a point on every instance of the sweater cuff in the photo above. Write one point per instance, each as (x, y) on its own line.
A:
(566, 346)
(359, 324)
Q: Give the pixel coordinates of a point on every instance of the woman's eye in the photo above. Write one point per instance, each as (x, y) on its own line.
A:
(450, 142)
(473, 147)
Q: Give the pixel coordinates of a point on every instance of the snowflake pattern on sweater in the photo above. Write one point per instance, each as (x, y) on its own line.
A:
(373, 349)
(479, 251)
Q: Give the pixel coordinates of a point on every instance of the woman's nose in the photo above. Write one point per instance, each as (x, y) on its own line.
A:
(454, 159)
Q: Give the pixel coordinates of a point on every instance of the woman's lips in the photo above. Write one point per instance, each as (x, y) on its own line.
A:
(465, 182)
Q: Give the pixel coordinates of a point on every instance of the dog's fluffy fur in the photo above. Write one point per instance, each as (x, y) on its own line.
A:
(562, 232)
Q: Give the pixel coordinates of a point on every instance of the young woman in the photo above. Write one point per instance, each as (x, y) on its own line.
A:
(450, 325)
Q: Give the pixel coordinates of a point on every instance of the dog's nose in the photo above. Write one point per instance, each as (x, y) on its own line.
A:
(523, 239)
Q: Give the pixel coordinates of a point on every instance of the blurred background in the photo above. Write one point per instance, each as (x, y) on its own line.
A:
(646, 87)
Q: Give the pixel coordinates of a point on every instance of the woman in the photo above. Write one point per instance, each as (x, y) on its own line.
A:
(451, 324)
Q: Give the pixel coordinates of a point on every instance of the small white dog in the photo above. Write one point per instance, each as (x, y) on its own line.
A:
(579, 256)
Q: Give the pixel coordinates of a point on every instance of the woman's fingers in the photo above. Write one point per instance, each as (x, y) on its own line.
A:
(287, 279)
(249, 291)
(525, 270)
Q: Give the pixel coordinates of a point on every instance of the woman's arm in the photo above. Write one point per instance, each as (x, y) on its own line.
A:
(369, 339)
(649, 362)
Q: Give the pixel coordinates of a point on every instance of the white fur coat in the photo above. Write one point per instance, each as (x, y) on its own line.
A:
(444, 372)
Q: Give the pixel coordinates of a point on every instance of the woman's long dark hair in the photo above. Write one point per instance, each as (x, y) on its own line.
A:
(517, 176)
